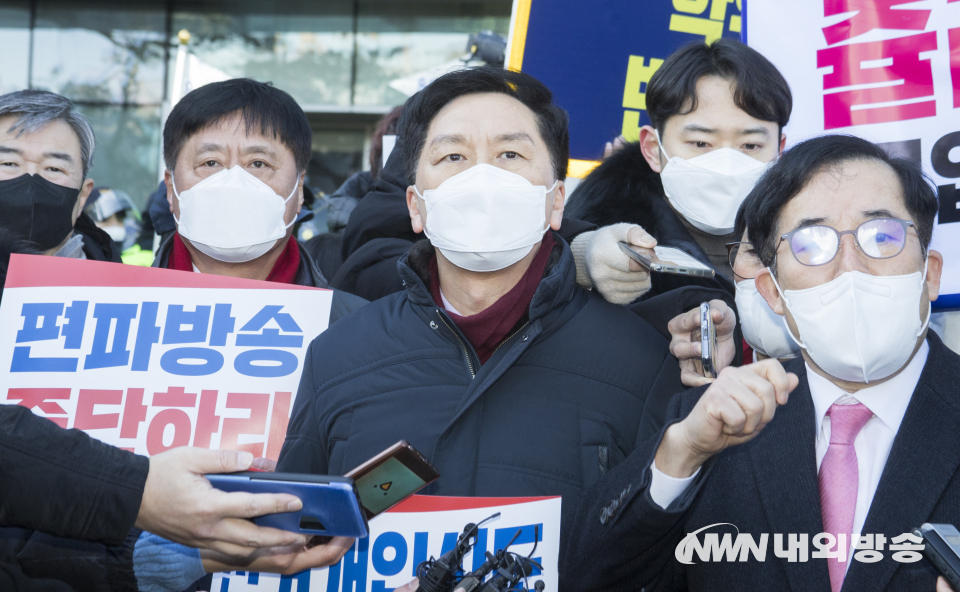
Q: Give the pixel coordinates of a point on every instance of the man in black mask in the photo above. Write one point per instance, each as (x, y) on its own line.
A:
(46, 150)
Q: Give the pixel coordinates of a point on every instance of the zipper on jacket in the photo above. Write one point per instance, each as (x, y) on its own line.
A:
(509, 337)
(466, 352)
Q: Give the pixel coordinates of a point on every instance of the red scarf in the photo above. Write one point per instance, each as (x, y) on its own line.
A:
(284, 270)
(488, 328)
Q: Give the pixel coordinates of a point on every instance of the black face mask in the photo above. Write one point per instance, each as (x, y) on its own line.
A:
(37, 210)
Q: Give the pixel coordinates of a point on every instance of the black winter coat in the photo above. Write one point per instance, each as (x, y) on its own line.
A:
(556, 406)
(65, 484)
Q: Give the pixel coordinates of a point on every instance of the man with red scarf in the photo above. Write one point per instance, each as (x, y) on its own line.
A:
(236, 154)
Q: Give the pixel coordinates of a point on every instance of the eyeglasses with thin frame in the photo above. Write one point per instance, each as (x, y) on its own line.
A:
(743, 259)
(880, 238)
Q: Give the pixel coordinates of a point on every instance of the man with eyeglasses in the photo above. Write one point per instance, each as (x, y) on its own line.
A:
(850, 447)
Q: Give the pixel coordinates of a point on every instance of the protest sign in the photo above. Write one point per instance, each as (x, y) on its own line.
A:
(412, 532)
(598, 58)
(884, 70)
(151, 359)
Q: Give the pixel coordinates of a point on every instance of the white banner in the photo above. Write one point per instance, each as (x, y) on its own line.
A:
(150, 359)
(884, 70)
(420, 528)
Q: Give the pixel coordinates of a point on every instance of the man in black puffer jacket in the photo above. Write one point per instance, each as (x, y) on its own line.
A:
(493, 362)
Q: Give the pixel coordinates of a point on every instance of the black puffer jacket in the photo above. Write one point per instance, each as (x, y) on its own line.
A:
(625, 189)
(66, 484)
(557, 404)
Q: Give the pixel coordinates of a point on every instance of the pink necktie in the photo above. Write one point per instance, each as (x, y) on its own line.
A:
(838, 478)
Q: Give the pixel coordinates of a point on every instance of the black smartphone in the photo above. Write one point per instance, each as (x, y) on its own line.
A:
(391, 477)
(331, 505)
(941, 545)
(708, 342)
(668, 260)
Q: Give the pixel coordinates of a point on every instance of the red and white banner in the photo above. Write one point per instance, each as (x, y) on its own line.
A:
(150, 359)
(420, 528)
(884, 70)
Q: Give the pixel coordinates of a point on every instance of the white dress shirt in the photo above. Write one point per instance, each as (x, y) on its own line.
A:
(888, 401)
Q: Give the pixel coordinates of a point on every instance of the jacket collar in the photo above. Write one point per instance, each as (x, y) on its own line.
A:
(556, 288)
(97, 244)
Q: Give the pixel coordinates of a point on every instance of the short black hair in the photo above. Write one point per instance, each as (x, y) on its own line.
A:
(799, 165)
(761, 91)
(264, 108)
(421, 108)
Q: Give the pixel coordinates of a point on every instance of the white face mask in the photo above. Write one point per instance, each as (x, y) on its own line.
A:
(485, 218)
(117, 233)
(708, 189)
(232, 216)
(764, 330)
(859, 327)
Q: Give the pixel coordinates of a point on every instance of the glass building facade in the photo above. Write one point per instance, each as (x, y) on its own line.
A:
(116, 60)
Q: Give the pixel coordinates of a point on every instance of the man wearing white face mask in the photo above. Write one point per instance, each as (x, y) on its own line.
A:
(717, 114)
(866, 446)
(510, 378)
(236, 154)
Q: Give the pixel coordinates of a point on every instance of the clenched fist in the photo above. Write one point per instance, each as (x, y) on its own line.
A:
(732, 411)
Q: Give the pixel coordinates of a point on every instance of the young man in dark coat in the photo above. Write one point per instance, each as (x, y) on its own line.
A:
(717, 114)
(510, 378)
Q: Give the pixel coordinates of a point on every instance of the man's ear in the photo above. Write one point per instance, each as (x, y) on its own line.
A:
(168, 182)
(417, 220)
(934, 269)
(85, 190)
(556, 214)
(301, 178)
(768, 289)
(650, 148)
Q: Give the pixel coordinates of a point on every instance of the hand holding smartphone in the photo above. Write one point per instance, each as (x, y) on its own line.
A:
(330, 504)
(668, 260)
(339, 506)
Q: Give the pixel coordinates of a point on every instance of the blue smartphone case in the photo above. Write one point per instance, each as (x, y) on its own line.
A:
(331, 505)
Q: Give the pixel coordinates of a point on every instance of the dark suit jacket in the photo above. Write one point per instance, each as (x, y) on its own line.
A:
(624, 541)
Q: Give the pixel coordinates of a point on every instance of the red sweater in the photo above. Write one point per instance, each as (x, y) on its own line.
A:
(488, 328)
